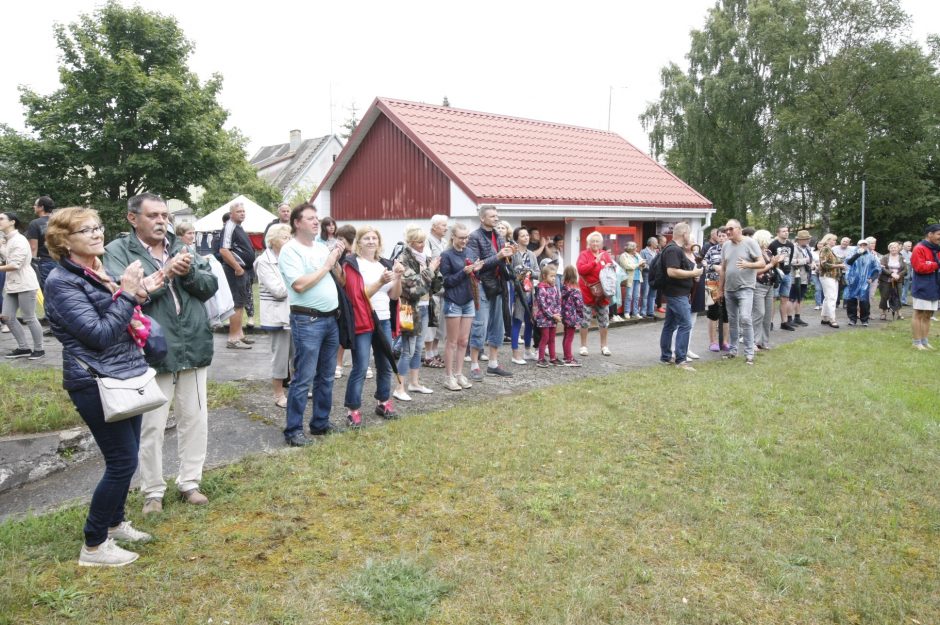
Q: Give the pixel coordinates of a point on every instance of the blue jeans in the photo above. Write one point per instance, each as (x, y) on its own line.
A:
(316, 340)
(631, 299)
(644, 295)
(360, 362)
(45, 268)
(412, 344)
(650, 300)
(487, 323)
(678, 320)
(906, 285)
(119, 443)
(739, 304)
(817, 290)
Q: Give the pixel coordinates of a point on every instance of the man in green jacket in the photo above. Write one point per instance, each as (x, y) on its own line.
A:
(178, 308)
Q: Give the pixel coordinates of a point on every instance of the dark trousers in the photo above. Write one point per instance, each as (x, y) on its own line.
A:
(858, 308)
(119, 443)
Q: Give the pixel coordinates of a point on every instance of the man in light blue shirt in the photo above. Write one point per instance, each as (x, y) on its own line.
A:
(305, 264)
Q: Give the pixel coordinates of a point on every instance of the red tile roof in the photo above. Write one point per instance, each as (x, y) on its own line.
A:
(503, 159)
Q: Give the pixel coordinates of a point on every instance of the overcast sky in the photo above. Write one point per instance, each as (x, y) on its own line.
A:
(302, 64)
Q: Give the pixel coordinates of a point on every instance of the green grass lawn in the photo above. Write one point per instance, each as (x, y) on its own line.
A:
(33, 400)
(802, 490)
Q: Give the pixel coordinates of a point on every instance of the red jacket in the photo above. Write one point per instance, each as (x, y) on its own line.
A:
(589, 272)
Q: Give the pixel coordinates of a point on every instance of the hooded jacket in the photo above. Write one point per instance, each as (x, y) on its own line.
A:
(188, 334)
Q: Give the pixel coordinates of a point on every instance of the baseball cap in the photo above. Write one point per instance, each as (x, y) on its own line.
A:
(862, 242)
(546, 262)
(931, 228)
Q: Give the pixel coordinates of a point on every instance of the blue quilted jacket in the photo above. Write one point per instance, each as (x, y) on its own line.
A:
(90, 325)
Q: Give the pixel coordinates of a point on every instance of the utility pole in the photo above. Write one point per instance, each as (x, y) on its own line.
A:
(863, 207)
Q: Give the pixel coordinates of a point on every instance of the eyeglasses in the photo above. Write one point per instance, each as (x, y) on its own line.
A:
(90, 232)
(462, 238)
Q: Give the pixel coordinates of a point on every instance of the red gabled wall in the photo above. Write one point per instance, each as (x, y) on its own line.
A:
(389, 178)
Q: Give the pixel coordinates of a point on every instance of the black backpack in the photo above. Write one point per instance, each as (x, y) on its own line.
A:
(657, 273)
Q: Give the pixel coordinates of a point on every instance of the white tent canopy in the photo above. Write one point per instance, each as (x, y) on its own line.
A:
(256, 218)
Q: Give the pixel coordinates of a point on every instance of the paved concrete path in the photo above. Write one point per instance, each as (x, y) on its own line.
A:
(255, 426)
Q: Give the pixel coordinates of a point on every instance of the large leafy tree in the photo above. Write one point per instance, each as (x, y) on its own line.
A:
(788, 105)
(128, 117)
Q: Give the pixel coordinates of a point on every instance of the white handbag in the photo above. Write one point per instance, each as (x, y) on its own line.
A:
(122, 399)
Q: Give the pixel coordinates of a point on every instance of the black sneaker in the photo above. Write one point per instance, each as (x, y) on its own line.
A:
(19, 353)
(298, 440)
(498, 371)
(800, 322)
(37, 354)
(787, 326)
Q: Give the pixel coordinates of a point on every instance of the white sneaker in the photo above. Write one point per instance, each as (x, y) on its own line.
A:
(466, 358)
(127, 533)
(483, 358)
(369, 374)
(531, 355)
(616, 319)
(817, 307)
(518, 361)
(583, 351)
(403, 396)
(463, 381)
(420, 388)
(637, 316)
(339, 373)
(451, 384)
(107, 554)
(692, 355)
(605, 351)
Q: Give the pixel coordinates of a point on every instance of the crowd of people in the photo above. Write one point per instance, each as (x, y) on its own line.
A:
(740, 274)
(448, 297)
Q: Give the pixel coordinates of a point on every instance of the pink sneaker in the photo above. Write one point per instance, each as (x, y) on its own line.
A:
(726, 348)
(354, 417)
(714, 347)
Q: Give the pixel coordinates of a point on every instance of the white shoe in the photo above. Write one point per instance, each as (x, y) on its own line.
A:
(817, 307)
(583, 351)
(451, 384)
(420, 388)
(403, 396)
(617, 319)
(692, 355)
(107, 554)
(637, 316)
(127, 533)
(531, 355)
(466, 358)
(463, 381)
(483, 358)
(369, 374)
(605, 351)
(339, 373)
(518, 361)
(4, 328)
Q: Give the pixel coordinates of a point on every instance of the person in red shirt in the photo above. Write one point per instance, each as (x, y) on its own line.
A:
(590, 263)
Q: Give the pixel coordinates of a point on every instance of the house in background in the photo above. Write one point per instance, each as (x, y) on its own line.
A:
(406, 162)
(298, 165)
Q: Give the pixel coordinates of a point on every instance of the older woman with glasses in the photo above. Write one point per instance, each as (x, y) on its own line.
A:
(90, 312)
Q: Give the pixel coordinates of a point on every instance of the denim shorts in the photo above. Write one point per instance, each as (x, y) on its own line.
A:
(459, 310)
(783, 289)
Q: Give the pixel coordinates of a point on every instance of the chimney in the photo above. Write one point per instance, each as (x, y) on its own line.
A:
(294, 140)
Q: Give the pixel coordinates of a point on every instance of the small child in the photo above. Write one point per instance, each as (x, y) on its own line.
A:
(572, 312)
(547, 306)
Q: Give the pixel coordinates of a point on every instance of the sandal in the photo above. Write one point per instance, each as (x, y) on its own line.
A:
(434, 363)
(884, 316)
